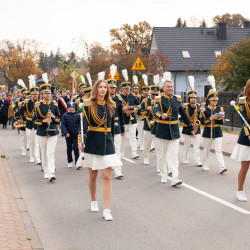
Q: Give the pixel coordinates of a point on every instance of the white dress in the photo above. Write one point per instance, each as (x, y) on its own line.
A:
(98, 162)
(241, 153)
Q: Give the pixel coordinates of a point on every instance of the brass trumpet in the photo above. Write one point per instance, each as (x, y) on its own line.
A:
(196, 125)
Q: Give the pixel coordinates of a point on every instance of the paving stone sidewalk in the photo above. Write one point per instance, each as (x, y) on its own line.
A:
(13, 235)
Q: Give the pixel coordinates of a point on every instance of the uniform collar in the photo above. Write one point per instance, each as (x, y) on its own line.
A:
(169, 97)
(210, 107)
(46, 102)
(101, 103)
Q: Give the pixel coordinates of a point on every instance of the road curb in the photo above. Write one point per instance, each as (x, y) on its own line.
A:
(27, 219)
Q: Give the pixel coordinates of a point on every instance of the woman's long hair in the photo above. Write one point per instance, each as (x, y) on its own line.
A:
(107, 97)
(247, 90)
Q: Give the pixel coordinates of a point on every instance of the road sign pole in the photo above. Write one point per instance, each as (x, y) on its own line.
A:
(73, 86)
(135, 54)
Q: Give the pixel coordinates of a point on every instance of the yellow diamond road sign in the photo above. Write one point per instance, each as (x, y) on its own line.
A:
(74, 74)
(116, 76)
(138, 65)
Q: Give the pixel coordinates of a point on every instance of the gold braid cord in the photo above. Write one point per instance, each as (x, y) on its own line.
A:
(97, 119)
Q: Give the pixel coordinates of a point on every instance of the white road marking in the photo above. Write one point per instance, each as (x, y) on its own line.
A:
(126, 159)
(212, 197)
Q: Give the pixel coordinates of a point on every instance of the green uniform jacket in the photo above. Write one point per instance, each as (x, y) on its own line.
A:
(41, 110)
(205, 120)
(118, 118)
(144, 111)
(168, 128)
(27, 111)
(98, 129)
(17, 116)
(130, 100)
(190, 110)
(245, 132)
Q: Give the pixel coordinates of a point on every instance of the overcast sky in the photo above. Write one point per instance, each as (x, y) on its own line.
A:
(58, 23)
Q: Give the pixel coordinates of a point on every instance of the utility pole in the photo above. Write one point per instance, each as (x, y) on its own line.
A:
(135, 54)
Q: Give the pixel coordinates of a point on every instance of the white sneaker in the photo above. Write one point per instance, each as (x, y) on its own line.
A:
(78, 167)
(205, 168)
(176, 182)
(23, 152)
(164, 179)
(223, 170)
(158, 170)
(141, 148)
(52, 177)
(38, 162)
(32, 159)
(94, 206)
(198, 164)
(46, 176)
(70, 165)
(107, 215)
(118, 174)
(146, 162)
(185, 161)
(241, 196)
(135, 156)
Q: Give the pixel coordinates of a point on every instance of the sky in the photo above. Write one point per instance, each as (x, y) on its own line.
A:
(64, 24)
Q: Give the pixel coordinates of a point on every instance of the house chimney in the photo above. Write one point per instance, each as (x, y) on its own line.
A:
(222, 31)
(246, 24)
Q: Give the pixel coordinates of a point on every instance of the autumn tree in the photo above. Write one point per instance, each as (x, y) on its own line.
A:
(18, 60)
(233, 66)
(234, 20)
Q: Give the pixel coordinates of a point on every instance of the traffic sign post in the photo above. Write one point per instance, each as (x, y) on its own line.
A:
(117, 76)
(55, 72)
(138, 65)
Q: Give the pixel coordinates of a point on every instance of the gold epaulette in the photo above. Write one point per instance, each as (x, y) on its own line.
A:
(178, 97)
(86, 102)
(144, 100)
(158, 98)
(55, 103)
(26, 100)
(120, 98)
(77, 101)
(37, 104)
(242, 100)
(74, 97)
(152, 102)
(221, 109)
(185, 105)
(20, 104)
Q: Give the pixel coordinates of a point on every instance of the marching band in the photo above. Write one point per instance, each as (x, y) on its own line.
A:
(102, 119)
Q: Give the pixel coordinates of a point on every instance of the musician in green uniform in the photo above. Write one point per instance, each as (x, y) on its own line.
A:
(212, 117)
(241, 151)
(80, 97)
(46, 117)
(130, 102)
(27, 111)
(193, 111)
(166, 110)
(99, 143)
(19, 120)
(147, 111)
(118, 119)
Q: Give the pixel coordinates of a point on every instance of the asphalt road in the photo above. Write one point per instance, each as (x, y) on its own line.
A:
(147, 214)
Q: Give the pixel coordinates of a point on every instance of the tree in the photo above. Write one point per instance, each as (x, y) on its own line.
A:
(126, 36)
(184, 24)
(179, 23)
(203, 24)
(234, 20)
(96, 50)
(233, 66)
(19, 60)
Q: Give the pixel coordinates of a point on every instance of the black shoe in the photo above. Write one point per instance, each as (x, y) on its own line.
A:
(170, 174)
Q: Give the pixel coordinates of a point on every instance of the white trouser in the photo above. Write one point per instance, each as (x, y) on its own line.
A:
(33, 144)
(156, 143)
(168, 156)
(217, 148)
(140, 132)
(147, 140)
(23, 140)
(48, 148)
(196, 146)
(130, 133)
(117, 142)
(153, 142)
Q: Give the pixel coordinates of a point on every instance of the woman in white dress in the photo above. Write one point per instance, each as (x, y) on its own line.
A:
(99, 149)
(241, 151)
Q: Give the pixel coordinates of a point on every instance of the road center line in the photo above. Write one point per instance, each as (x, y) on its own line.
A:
(225, 203)
(126, 159)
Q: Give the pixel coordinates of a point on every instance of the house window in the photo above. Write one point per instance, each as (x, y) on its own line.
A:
(185, 54)
(217, 53)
